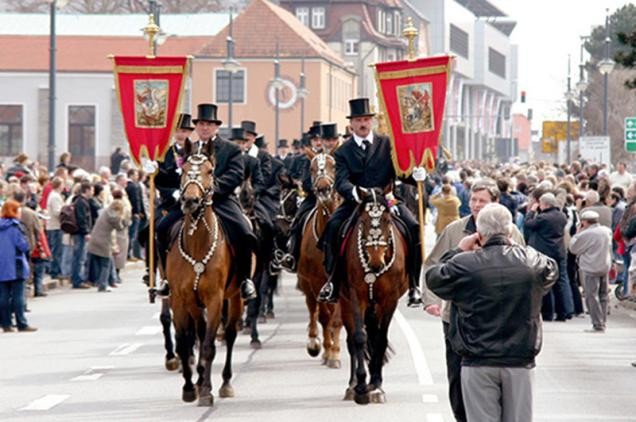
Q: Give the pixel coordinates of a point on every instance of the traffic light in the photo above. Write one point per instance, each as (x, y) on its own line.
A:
(523, 96)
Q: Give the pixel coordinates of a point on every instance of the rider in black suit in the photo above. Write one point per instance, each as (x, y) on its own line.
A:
(363, 162)
(228, 175)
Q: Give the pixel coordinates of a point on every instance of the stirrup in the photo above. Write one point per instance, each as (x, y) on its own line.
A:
(163, 289)
(288, 263)
(248, 290)
(327, 293)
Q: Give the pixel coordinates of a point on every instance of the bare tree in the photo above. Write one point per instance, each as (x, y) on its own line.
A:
(123, 6)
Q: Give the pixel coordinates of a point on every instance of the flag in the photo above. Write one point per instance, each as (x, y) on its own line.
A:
(149, 92)
(412, 95)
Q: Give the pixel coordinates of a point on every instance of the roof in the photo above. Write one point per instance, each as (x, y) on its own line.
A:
(83, 54)
(186, 24)
(484, 8)
(262, 25)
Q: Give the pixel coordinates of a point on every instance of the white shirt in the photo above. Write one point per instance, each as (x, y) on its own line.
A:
(624, 180)
(358, 140)
(253, 151)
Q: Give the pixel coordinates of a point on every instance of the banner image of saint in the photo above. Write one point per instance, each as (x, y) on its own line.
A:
(416, 110)
(151, 99)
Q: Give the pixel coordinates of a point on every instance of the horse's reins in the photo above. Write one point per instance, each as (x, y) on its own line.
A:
(321, 164)
(283, 215)
(374, 238)
(194, 177)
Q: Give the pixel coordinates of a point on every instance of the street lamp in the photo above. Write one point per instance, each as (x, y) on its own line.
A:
(54, 5)
(277, 84)
(581, 87)
(569, 97)
(302, 94)
(606, 66)
(231, 65)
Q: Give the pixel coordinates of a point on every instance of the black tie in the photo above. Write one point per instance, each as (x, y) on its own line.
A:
(367, 147)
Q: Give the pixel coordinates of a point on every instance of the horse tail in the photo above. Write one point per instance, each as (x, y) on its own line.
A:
(373, 331)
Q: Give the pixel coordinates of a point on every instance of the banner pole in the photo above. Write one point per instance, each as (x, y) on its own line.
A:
(420, 206)
(151, 238)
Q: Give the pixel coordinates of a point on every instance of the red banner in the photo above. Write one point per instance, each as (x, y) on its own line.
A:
(412, 95)
(149, 91)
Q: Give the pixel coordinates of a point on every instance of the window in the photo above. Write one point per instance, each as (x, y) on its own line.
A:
(398, 24)
(11, 118)
(389, 24)
(497, 63)
(302, 13)
(223, 86)
(318, 17)
(380, 22)
(458, 41)
(81, 134)
(351, 37)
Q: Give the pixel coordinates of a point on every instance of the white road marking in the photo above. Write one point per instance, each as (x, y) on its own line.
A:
(88, 377)
(46, 402)
(424, 375)
(126, 349)
(149, 330)
(434, 417)
(430, 398)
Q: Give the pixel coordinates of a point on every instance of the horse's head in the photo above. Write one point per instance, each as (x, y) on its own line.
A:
(375, 234)
(246, 197)
(288, 206)
(323, 175)
(197, 178)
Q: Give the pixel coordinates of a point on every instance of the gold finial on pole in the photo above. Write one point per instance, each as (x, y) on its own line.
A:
(410, 33)
(151, 30)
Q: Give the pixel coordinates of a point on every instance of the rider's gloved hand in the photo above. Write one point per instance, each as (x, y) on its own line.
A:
(359, 193)
(419, 174)
(149, 166)
(392, 204)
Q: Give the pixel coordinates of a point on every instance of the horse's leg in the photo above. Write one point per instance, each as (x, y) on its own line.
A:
(234, 314)
(351, 348)
(253, 307)
(360, 342)
(381, 342)
(313, 344)
(200, 326)
(263, 296)
(184, 334)
(207, 350)
(324, 316)
(335, 327)
(171, 363)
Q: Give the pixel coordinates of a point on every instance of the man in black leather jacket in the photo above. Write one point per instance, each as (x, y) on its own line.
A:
(496, 290)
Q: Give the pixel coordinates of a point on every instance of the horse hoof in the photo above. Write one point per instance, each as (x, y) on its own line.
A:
(333, 364)
(247, 331)
(377, 396)
(189, 396)
(256, 344)
(206, 401)
(262, 319)
(361, 399)
(226, 391)
(172, 364)
(348, 394)
(313, 347)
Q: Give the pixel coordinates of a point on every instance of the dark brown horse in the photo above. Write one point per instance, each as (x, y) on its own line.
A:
(199, 269)
(375, 278)
(311, 272)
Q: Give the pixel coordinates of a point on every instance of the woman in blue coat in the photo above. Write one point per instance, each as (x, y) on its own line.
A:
(14, 268)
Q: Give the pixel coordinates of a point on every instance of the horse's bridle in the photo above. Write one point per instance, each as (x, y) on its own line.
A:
(283, 214)
(194, 178)
(321, 164)
(374, 238)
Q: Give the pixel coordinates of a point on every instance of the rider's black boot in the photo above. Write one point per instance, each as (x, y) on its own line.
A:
(243, 272)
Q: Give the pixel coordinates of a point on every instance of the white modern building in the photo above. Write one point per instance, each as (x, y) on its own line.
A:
(483, 84)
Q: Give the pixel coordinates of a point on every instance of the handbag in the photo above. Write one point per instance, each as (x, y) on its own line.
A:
(41, 249)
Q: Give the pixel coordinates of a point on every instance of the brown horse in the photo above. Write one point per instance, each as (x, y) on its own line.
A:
(311, 272)
(375, 278)
(199, 269)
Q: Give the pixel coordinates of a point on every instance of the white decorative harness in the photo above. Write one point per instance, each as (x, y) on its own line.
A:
(194, 177)
(374, 238)
(321, 165)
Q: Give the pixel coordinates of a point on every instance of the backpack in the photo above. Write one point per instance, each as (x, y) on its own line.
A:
(630, 230)
(68, 221)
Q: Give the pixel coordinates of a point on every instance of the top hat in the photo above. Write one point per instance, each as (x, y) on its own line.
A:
(185, 121)
(296, 143)
(359, 108)
(260, 141)
(305, 140)
(314, 130)
(237, 134)
(249, 127)
(282, 143)
(329, 131)
(207, 113)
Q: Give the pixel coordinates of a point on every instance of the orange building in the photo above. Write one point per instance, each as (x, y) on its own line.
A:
(261, 30)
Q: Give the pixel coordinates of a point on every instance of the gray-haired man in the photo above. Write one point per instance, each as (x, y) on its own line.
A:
(592, 244)
(498, 334)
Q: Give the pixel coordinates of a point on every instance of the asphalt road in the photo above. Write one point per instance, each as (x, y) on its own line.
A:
(99, 357)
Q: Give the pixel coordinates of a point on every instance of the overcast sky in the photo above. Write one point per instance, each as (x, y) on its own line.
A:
(547, 31)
